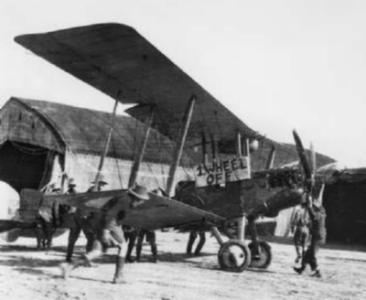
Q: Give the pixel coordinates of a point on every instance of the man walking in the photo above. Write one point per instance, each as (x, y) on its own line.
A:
(109, 233)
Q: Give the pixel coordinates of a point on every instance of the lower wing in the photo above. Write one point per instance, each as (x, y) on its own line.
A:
(157, 212)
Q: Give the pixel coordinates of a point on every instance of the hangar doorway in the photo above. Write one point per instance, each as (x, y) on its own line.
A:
(24, 165)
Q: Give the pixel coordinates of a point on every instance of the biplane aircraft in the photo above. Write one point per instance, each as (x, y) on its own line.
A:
(118, 61)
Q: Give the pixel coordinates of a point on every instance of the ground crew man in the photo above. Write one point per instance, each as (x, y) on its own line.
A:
(300, 228)
(97, 187)
(110, 233)
(318, 235)
(48, 218)
(71, 187)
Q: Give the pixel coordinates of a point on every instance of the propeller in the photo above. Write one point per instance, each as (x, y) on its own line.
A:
(271, 158)
(309, 178)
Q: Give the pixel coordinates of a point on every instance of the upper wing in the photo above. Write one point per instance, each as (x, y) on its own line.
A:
(157, 212)
(117, 60)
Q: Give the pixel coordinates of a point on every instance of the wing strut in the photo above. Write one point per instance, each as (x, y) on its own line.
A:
(107, 143)
(204, 150)
(240, 220)
(138, 160)
(247, 152)
(179, 148)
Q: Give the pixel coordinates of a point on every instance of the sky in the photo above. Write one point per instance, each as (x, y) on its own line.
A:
(278, 65)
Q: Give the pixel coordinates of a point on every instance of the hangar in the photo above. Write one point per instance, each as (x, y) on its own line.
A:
(40, 141)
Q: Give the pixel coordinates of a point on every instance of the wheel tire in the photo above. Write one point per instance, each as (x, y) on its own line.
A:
(234, 256)
(265, 255)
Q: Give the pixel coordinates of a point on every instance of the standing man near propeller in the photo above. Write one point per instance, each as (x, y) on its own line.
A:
(317, 231)
(300, 229)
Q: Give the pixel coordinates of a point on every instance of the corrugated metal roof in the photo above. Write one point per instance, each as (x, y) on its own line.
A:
(85, 131)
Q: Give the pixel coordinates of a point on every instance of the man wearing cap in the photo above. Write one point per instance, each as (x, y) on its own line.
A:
(318, 234)
(71, 187)
(110, 233)
(97, 186)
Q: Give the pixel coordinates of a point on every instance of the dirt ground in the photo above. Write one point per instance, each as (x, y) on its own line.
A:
(29, 274)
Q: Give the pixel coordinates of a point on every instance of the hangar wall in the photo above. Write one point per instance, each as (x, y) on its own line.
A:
(83, 167)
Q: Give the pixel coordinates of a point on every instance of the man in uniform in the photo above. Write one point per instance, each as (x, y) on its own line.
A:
(318, 235)
(110, 234)
(71, 187)
(97, 187)
(48, 218)
(300, 229)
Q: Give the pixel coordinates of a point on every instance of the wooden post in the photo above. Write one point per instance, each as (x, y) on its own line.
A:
(179, 149)
(106, 146)
(136, 165)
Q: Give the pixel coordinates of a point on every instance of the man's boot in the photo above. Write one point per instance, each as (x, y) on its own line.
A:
(298, 270)
(67, 267)
(316, 273)
(118, 275)
(298, 259)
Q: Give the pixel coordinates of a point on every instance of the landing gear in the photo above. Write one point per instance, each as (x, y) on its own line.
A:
(234, 256)
(263, 257)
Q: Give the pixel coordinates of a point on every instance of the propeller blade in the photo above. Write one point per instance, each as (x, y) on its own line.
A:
(313, 159)
(271, 158)
(302, 156)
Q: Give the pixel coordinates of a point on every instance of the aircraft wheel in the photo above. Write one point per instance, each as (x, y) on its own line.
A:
(264, 258)
(234, 256)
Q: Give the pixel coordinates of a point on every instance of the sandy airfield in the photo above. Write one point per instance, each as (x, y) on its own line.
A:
(29, 274)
